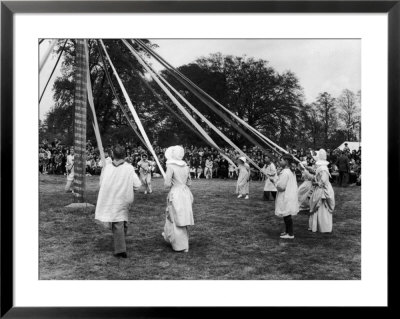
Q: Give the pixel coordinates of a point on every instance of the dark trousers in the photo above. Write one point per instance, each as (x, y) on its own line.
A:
(119, 231)
(288, 224)
(342, 178)
(267, 195)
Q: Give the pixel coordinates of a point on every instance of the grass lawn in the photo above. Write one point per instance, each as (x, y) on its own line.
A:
(231, 239)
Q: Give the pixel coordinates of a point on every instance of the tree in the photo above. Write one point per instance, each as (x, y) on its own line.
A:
(349, 112)
(325, 105)
(109, 115)
(310, 125)
(267, 100)
(251, 89)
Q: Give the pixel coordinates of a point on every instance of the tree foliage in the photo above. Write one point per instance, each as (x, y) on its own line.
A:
(270, 101)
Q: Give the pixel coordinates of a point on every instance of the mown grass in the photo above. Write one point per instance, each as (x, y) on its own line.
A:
(231, 238)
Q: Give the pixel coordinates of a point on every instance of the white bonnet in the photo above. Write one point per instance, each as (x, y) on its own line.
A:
(175, 154)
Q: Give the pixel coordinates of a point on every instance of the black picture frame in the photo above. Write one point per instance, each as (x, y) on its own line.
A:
(9, 8)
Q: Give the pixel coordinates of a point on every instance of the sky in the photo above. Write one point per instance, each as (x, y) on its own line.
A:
(321, 65)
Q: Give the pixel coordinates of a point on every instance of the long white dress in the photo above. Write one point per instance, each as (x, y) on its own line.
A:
(286, 198)
(322, 202)
(242, 186)
(179, 213)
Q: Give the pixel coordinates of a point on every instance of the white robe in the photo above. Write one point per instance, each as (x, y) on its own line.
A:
(108, 160)
(271, 177)
(243, 183)
(145, 168)
(70, 163)
(286, 202)
(116, 192)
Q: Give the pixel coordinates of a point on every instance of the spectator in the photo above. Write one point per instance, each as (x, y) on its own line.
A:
(343, 167)
(201, 160)
(208, 168)
(346, 148)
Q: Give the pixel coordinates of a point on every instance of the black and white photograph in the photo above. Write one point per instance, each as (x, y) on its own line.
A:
(199, 159)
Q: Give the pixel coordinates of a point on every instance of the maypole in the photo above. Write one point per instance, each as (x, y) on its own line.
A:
(80, 122)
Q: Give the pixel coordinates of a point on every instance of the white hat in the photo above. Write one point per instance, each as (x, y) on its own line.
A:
(321, 158)
(242, 158)
(174, 155)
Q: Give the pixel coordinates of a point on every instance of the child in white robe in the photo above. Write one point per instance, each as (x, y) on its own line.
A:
(118, 181)
(231, 171)
(208, 168)
(179, 213)
(286, 204)
(243, 182)
(322, 201)
(199, 171)
(145, 167)
(269, 170)
(70, 171)
(193, 172)
(108, 158)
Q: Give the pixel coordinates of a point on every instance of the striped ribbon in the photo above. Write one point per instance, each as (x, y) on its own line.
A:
(212, 126)
(132, 109)
(203, 118)
(183, 120)
(169, 94)
(201, 94)
(180, 107)
(91, 103)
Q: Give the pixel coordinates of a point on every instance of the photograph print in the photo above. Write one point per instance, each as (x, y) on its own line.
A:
(199, 159)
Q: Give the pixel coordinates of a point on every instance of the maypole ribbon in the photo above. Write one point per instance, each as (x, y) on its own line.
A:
(91, 103)
(52, 72)
(132, 109)
(184, 121)
(202, 117)
(152, 73)
(47, 54)
(114, 91)
(199, 93)
(212, 126)
(169, 94)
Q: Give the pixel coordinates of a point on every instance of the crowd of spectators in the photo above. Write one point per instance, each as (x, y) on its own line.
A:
(205, 162)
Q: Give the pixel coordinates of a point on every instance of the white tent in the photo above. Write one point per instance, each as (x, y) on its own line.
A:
(351, 145)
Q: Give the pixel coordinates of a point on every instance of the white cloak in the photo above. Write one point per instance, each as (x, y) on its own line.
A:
(286, 202)
(116, 192)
